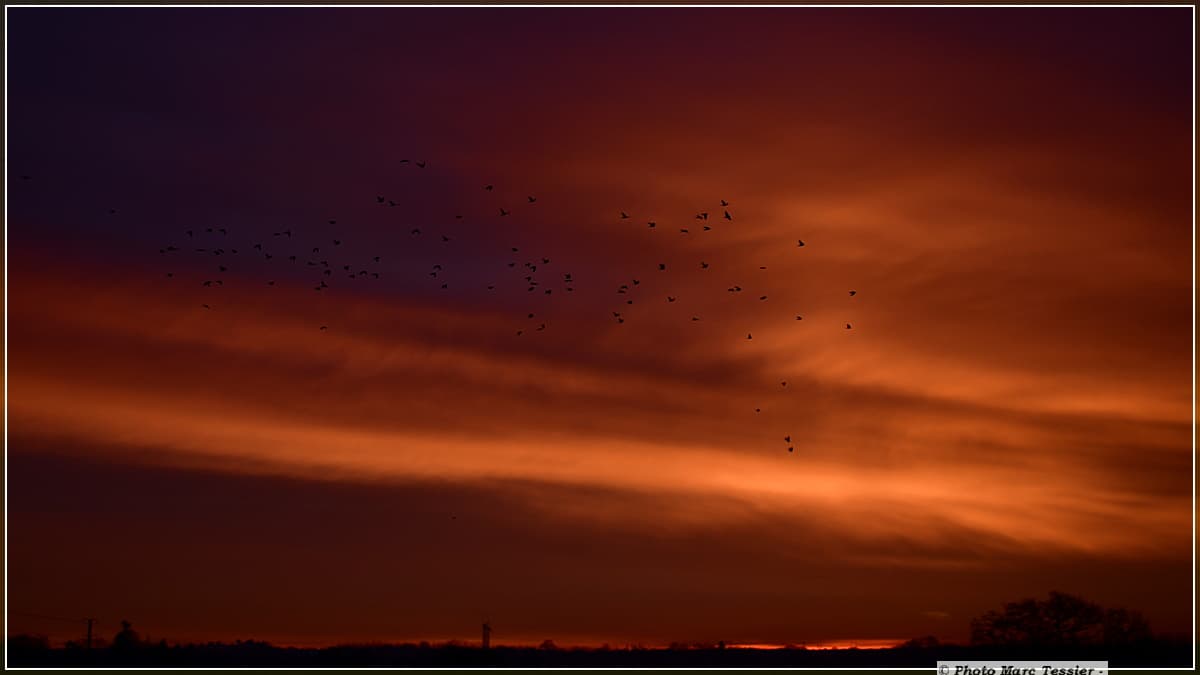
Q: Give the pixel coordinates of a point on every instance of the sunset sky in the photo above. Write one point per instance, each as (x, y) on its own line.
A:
(1008, 191)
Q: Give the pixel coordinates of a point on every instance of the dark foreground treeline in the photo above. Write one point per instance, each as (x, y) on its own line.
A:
(1148, 654)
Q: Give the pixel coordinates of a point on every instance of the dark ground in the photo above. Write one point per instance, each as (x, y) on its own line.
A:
(1157, 653)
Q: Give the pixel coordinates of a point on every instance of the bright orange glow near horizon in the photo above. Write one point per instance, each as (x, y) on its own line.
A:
(1008, 193)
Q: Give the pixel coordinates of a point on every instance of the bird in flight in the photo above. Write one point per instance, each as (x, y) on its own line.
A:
(853, 293)
(724, 203)
(727, 216)
(489, 188)
(652, 224)
(847, 326)
(799, 243)
(503, 212)
(624, 215)
(531, 199)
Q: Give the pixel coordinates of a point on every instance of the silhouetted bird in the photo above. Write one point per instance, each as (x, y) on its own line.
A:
(112, 212)
(727, 216)
(445, 239)
(749, 336)
(489, 188)
(189, 233)
(324, 327)
(799, 242)
(221, 268)
(379, 200)
(853, 293)
(847, 326)
(703, 215)
(376, 258)
(784, 383)
(670, 299)
(683, 230)
(624, 215)
(503, 212)
(421, 164)
(724, 203)
(206, 306)
(416, 230)
(799, 318)
(703, 265)
(787, 439)
(652, 224)
(532, 199)
(333, 222)
(762, 297)
(170, 275)
(695, 318)
(337, 242)
(270, 283)
(662, 266)
(707, 228)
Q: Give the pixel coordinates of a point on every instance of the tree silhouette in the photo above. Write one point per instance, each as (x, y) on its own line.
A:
(127, 637)
(1062, 619)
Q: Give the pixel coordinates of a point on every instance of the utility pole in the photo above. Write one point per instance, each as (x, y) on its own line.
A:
(487, 634)
(90, 621)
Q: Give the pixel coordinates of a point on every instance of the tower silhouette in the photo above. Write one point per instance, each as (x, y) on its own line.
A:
(487, 634)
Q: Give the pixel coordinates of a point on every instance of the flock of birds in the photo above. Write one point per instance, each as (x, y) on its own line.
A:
(324, 258)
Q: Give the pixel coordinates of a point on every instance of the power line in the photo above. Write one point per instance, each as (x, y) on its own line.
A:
(49, 616)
